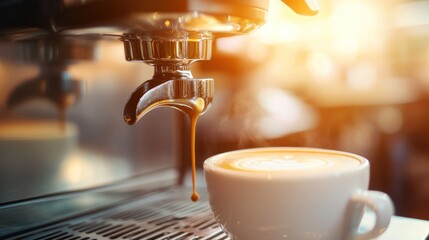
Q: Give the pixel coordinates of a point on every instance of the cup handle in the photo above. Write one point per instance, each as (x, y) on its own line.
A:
(382, 206)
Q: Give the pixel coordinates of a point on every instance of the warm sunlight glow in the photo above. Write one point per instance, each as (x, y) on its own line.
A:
(279, 27)
(284, 113)
(320, 64)
(353, 25)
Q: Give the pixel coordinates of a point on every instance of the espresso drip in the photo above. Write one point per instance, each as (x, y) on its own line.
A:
(192, 108)
(194, 118)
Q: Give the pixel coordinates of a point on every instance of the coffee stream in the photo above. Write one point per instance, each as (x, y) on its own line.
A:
(194, 118)
(192, 108)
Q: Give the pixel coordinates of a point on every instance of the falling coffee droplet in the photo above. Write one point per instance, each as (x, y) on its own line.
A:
(195, 197)
(127, 118)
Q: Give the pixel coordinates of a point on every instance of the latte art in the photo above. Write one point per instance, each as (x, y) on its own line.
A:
(276, 161)
(278, 164)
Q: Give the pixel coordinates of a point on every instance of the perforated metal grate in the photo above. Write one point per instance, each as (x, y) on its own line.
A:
(166, 215)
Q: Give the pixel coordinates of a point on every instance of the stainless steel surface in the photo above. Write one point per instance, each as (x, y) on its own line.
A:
(52, 48)
(54, 84)
(163, 215)
(22, 216)
(113, 17)
(28, 19)
(159, 46)
(102, 150)
(169, 214)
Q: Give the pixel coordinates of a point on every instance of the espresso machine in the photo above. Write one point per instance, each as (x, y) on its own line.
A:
(71, 167)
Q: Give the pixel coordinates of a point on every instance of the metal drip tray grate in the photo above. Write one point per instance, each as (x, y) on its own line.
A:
(164, 215)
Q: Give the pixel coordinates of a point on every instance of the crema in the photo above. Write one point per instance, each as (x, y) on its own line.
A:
(277, 161)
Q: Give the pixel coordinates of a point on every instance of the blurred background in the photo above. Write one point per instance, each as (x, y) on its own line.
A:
(353, 78)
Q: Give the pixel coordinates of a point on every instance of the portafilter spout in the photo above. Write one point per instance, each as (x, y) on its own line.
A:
(172, 85)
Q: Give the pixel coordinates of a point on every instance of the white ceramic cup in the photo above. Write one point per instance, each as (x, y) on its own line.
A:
(319, 199)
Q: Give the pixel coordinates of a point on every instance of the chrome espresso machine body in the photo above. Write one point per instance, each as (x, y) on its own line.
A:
(70, 166)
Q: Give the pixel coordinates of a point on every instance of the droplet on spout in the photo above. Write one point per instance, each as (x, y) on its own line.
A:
(127, 118)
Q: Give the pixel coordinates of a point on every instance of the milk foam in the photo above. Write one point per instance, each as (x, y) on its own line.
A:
(286, 161)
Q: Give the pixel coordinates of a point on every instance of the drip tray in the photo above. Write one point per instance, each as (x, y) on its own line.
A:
(163, 215)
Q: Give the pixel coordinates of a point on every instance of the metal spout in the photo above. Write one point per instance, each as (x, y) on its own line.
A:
(171, 53)
(171, 86)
